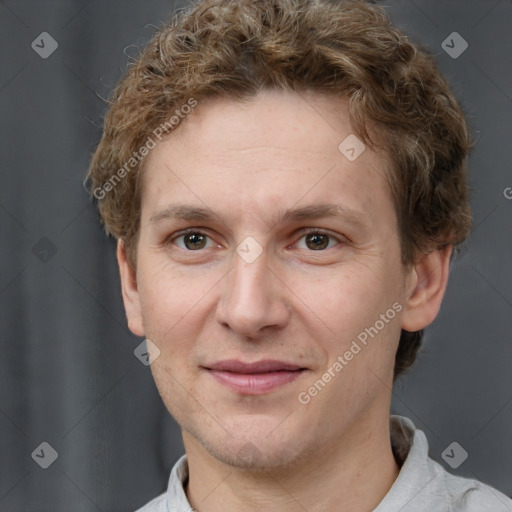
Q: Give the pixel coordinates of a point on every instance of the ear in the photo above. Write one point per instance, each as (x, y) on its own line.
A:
(130, 292)
(426, 284)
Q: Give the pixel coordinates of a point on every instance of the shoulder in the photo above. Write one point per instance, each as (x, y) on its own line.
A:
(157, 505)
(424, 485)
(466, 494)
(174, 499)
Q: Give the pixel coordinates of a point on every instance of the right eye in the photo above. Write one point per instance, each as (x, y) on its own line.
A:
(192, 241)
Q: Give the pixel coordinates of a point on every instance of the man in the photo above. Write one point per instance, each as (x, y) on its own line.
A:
(287, 183)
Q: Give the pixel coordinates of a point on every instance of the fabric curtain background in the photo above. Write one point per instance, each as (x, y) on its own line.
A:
(68, 374)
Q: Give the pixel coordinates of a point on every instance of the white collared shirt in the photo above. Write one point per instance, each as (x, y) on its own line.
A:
(421, 486)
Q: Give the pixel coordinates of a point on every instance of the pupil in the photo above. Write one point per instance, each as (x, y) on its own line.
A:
(317, 241)
(195, 241)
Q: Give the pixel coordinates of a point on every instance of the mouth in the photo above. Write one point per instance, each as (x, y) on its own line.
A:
(254, 378)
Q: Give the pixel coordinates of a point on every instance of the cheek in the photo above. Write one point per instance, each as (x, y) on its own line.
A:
(349, 305)
(166, 297)
(349, 298)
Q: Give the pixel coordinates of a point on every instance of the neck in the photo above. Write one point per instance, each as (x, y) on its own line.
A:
(353, 473)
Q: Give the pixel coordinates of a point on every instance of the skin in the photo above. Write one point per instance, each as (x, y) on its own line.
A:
(250, 162)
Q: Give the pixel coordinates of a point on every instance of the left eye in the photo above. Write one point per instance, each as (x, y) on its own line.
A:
(317, 241)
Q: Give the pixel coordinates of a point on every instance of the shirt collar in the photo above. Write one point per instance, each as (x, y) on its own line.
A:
(409, 446)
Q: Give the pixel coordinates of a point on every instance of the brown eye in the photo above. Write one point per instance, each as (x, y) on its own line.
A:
(317, 241)
(194, 241)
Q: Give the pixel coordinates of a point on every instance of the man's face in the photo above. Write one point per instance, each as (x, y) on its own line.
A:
(269, 275)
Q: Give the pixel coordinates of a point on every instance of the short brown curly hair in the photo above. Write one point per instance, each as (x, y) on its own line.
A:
(236, 48)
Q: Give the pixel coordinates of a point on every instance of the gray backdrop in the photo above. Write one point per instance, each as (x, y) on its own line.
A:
(68, 373)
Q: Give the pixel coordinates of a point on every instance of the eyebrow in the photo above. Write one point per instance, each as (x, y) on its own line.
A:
(196, 213)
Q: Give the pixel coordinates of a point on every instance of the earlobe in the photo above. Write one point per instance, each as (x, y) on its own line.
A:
(426, 287)
(130, 291)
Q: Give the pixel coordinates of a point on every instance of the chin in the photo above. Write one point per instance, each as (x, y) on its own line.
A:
(254, 456)
(249, 448)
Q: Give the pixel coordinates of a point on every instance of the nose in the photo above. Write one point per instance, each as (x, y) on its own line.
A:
(253, 298)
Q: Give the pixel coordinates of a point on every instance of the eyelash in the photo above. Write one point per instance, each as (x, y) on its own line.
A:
(305, 232)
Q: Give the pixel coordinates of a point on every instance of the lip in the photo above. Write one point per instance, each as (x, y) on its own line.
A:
(254, 378)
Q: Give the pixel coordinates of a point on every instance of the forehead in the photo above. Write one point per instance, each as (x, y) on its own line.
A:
(272, 152)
